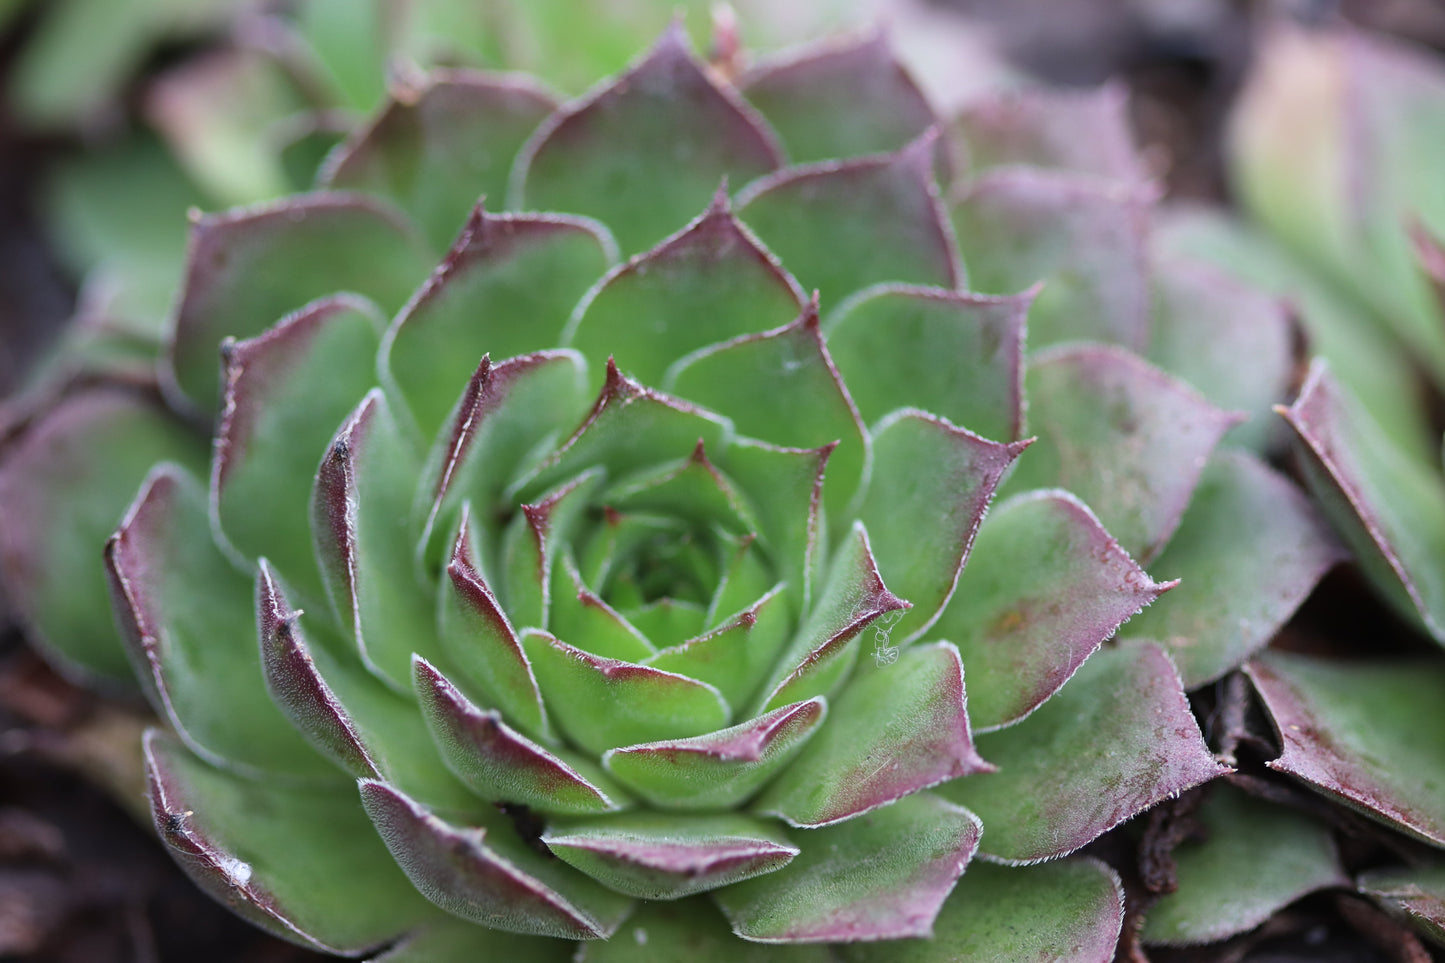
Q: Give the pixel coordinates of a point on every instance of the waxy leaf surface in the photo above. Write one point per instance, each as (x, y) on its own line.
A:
(659, 932)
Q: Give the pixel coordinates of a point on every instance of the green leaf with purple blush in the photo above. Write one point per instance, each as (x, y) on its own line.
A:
(1067, 129)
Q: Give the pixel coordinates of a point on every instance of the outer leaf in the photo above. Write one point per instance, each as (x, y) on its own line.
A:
(300, 863)
(655, 856)
(665, 932)
(285, 391)
(1070, 909)
(898, 728)
(845, 225)
(1388, 507)
(505, 288)
(1085, 238)
(709, 282)
(720, 769)
(1364, 733)
(439, 144)
(1122, 435)
(839, 99)
(1288, 855)
(487, 875)
(452, 940)
(1116, 740)
(645, 151)
(1417, 894)
(64, 484)
(956, 355)
(186, 615)
(305, 247)
(1231, 603)
(931, 484)
(1083, 131)
(1046, 586)
(915, 851)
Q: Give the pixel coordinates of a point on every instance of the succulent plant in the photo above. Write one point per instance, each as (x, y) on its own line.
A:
(618, 562)
(1335, 153)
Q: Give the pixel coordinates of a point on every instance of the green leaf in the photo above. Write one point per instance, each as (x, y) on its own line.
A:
(1084, 238)
(709, 282)
(64, 484)
(646, 151)
(720, 769)
(959, 356)
(882, 876)
(691, 928)
(1417, 894)
(1229, 602)
(1287, 855)
(535, 537)
(301, 863)
(843, 226)
(305, 246)
(187, 617)
(578, 616)
(505, 288)
(931, 484)
(1116, 740)
(285, 391)
(895, 730)
(439, 144)
(839, 99)
(1364, 733)
(736, 656)
(1084, 131)
(693, 491)
(1386, 505)
(1070, 909)
(452, 940)
(1123, 436)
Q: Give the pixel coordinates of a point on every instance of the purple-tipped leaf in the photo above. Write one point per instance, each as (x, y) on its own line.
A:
(578, 616)
(1116, 740)
(486, 874)
(693, 491)
(898, 728)
(720, 769)
(537, 533)
(736, 656)
(646, 150)
(883, 876)
(1418, 894)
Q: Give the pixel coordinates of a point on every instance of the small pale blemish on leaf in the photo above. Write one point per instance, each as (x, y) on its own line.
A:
(639, 935)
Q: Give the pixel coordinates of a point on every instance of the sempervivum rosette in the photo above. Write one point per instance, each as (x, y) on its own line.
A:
(609, 578)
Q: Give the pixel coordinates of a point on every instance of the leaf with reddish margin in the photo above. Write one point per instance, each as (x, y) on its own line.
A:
(1082, 131)
(839, 98)
(1084, 238)
(506, 412)
(1119, 738)
(301, 863)
(752, 379)
(1288, 854)
(959, 356)
(668, 622)
(914, 852)
(249, 267)
(1122, 435)
(484, 873)
(736, 655)
(186, 616)
(500, 764)
(1418, 894)
(720, 769)
(694, 491)
(439, 144)
(478, 637)
(364, 486)
(692, 929)
(629, 428)
(707, 283)
(1387, 506)
(534, 538)
(505, 288)
(743, 579)
(1045, 586)
(1237, 345)
(453, 940)
(664, 857)
(930, 486)
(65, 481)
(896, 729)
(285, 391)
(1230, 603)
(1366, 733)
(578, 616)
(645, 150)
(604, 703)
(845, 225)
(345, 712)
(1071, 909)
